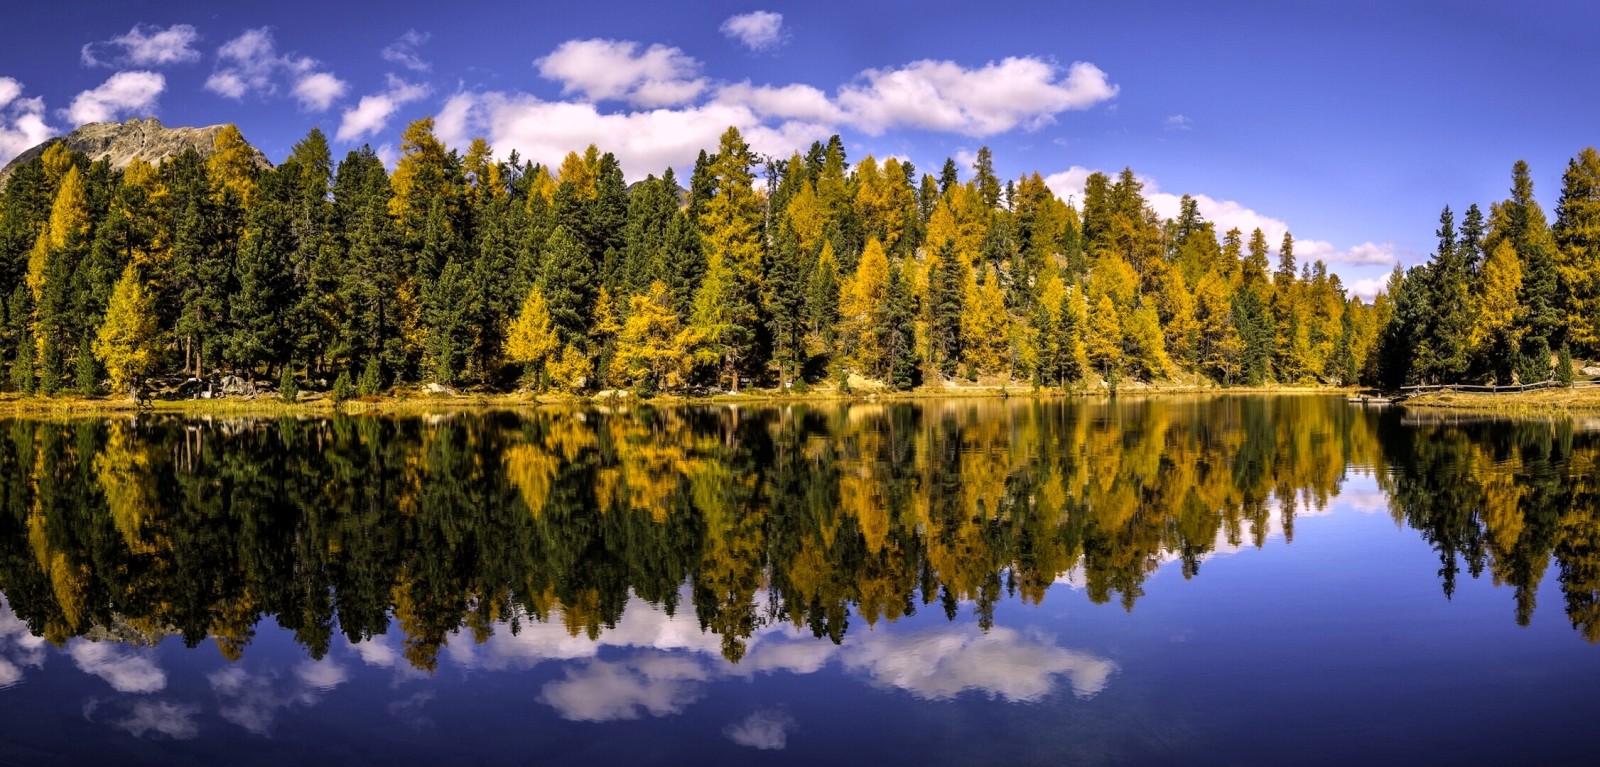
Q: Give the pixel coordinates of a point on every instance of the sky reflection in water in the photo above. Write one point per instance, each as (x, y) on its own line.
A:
(1035, 583)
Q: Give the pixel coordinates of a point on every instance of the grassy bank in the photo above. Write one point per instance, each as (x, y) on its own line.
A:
(413, 400)
(1541, 402)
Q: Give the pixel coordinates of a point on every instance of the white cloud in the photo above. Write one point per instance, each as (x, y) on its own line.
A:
(1224, 214)
(146, 45)
(763, 730)
(757, 30)
(657, 684)
(1068, 184)
(10, 674)
(318, 91)
(1178, 123)
(252, 701)
(995, 98)
(123, 93)
(372, 113)
(643, 141)
(1367, 254)
(321, 675)
(1368, 288)
(615, 70)
(938, 664)
(789, 102)
(22, 124)
(403, 51)
(245, 64)
(251, 65)
(160, 717)
(123, 669)
(376, 652)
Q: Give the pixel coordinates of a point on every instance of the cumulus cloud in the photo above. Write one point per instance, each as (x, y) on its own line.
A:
(146, 45)
(124, 669)
(673, 112)
(1001, 663)
(1367, 254)
(616, 70)
(763, 730)
(160, 718)
(994, 98)
(403, 51)
(757, 30)
(1368, 288)
(1178, 123)
(371, 114)
(10, 674)
(657, 684)
(643, 141)
(246, 64)
(318, 90)
(122, 94)
(253, 700)
(321, 675)
(22, 121)
(789, 102)
(250, 65)
(1068, 184)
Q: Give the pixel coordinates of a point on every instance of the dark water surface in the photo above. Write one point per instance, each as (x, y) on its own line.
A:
(1222, 580)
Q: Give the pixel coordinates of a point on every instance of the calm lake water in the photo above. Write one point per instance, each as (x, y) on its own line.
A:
(1220, 580)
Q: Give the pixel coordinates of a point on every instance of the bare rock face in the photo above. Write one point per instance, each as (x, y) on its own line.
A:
(121, 143)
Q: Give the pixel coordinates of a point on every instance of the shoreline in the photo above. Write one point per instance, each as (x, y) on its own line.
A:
(1544, 402)
(413, 400)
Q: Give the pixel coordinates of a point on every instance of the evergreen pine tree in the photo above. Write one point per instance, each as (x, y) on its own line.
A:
(897, 333)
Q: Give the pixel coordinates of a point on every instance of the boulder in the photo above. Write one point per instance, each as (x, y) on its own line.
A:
(1592, 370)
(438, 390)
(234, 386)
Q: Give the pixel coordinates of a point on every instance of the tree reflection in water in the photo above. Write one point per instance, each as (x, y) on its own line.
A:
(811, 515)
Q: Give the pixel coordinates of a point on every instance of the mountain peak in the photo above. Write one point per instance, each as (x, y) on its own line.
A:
(135, 138)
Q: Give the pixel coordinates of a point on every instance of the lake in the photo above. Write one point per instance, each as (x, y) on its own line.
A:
(1205, 580)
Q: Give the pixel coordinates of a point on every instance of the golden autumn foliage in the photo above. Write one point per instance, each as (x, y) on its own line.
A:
(127, 340)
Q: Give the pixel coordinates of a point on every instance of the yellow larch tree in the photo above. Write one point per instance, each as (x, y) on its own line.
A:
(232, 166)
(127, 339)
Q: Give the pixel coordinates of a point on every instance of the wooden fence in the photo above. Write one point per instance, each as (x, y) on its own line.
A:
(1411, 391)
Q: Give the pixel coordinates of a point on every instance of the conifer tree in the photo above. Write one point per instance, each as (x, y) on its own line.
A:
(987, 326)
(1577, 241)
(649, 350)
(785, 298)
(1103, 338)
(533, 337)
(898, 338)
(947, 278)
(127, 339)
(822, 302)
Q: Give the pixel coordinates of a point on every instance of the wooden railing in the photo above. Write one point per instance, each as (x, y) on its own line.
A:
(1484, 389)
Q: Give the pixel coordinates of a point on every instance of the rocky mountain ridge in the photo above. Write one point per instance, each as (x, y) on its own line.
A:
(145, 138)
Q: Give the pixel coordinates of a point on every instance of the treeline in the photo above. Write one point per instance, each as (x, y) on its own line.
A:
(465, 269)
(1501, 297)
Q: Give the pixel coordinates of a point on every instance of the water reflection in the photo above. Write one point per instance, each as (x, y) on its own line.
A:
(508, 538)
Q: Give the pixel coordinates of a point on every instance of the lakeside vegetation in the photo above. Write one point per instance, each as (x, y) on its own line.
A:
(500, 275)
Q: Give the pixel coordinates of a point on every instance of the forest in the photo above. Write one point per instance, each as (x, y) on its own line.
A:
(501, 274)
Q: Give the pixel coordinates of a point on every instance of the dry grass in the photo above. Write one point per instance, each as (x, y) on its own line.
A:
(412, 401)
(1541, 402)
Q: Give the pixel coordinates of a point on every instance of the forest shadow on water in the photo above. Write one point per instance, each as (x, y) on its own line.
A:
(670, 550)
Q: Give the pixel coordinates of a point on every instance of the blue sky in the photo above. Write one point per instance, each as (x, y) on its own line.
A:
(1349, 123)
